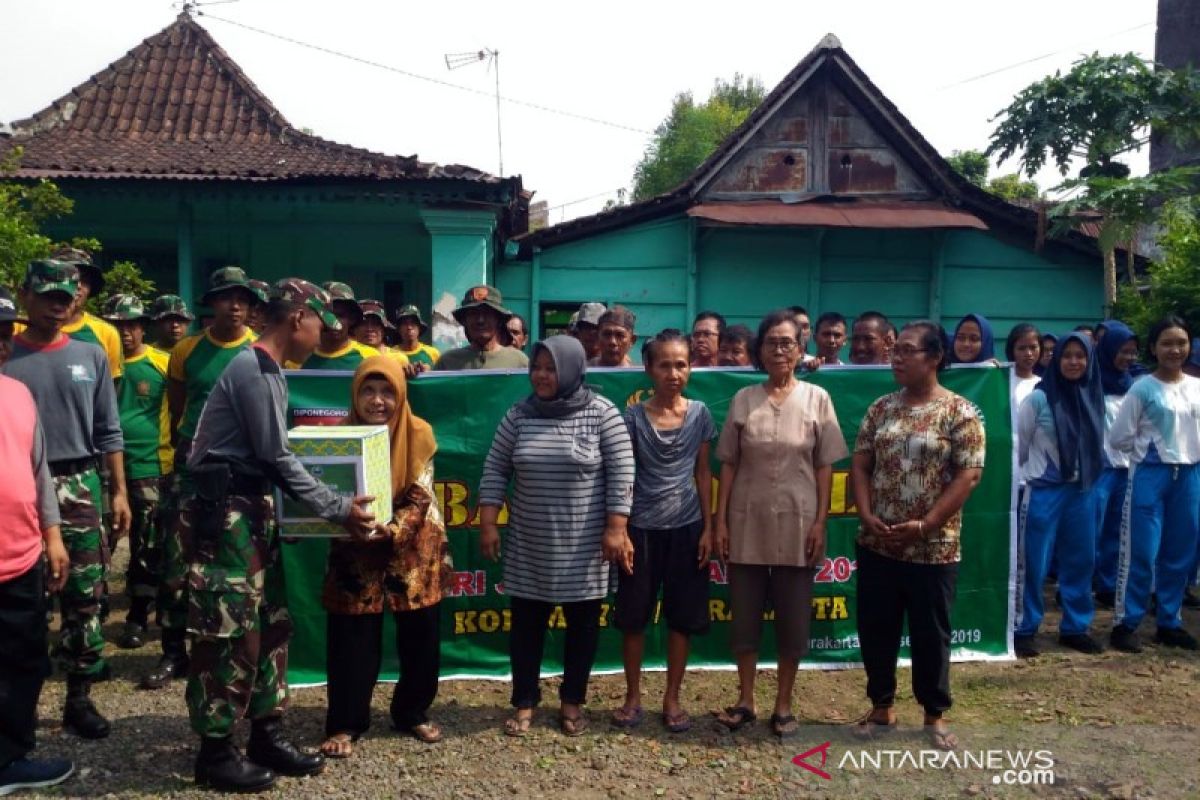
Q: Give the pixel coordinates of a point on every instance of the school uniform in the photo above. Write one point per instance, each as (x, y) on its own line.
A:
(1060, 439)
(1158, 427)
(1110, 489)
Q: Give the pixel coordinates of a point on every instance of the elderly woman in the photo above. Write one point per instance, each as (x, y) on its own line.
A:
(405, 568)
(777, 450)
(918, 456)
(569, 452)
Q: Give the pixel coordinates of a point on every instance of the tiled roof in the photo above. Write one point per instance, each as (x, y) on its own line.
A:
(177, 106)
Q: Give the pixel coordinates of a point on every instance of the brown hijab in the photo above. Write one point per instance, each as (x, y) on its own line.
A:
(413, 444)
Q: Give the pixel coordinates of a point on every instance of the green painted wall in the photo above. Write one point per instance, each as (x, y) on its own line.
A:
(745, 272)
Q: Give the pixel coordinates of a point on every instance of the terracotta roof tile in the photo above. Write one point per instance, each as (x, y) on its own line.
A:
(178, 106)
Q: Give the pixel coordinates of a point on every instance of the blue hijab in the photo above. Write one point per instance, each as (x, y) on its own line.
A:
(986, 345)
(1038, 369)
(1078, 408)
(1194, 355)
(1113, 380)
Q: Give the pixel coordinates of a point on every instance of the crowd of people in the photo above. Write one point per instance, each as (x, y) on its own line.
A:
(177, 439)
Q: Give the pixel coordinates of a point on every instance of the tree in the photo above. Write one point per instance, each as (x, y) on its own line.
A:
(1103, 108)
(123, 277)
(972, 165)
(23, 209)
(1174, 279)
(691, 132)
(1011, 187)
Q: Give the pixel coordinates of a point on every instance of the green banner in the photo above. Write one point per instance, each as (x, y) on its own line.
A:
(464, 409)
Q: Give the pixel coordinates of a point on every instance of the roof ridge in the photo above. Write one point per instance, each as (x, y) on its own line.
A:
(62, 110)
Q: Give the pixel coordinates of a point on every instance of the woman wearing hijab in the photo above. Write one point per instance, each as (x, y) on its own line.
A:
(973, 342)
(568, 450)
(1115, 354)
(1060, 442)
(405, 568)
(1049, 342)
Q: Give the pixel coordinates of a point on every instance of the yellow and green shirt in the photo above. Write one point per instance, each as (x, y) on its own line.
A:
(423, 354)
(145, 419)
(93, 330)
(349, 357)
(196, 362)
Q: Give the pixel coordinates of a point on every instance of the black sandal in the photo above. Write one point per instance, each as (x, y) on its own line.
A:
(737, 717)
(784, 725)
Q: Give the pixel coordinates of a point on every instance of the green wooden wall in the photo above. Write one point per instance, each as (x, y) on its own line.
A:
(744, 272)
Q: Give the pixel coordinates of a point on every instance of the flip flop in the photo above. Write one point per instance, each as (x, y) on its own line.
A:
(339, 745)
(941, 739)
(517, 727)
(427, 732)
(867, 728)
(678, 723)
(573, 726)
(738, 717)
(625, 718)
(784, 725)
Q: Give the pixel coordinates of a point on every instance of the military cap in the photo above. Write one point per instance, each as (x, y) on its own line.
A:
(82, 260)
(124, 307)
(170, 305)
(411, 311)
(8, 308)
(482, 296)
(300, 292)
(260, 289)
(374, 308)
(47, 275)
(225, 279)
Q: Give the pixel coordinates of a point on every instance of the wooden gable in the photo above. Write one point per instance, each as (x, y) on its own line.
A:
(816, 142)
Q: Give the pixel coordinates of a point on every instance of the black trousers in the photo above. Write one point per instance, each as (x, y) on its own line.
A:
(354, 651)
(24, 664)
(526, 641)
(888, 591)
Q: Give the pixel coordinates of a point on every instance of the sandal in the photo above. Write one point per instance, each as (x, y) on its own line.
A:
(572, 726)
(339, 745)
(517, 726)
(940, 737)
(427, 732)
(737, 717)
(870, 728)
(677, 723)
(784, 725)
(627, 717)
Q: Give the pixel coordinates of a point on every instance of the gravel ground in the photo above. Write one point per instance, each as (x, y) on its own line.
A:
(1119, 726)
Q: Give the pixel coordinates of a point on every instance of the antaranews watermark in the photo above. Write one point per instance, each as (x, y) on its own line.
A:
(1008, 767)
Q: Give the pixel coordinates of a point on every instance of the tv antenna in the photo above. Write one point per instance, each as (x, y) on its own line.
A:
(492, 59)
(191, 7)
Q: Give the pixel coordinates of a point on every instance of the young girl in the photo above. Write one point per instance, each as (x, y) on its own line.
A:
(1049, 342)
(1024, 350)
(1158, 427)
(669, 525)
(1115, 354)
(1060, 431)
(973, 342)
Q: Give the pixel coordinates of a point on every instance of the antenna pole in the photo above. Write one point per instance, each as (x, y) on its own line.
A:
(499, 139)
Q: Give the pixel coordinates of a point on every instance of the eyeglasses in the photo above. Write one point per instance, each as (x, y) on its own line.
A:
(782, 345)
(907, 351)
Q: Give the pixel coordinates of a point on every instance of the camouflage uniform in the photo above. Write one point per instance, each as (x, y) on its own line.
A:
(171, 603)
(81, 645)
(145, 539)
(238, 618)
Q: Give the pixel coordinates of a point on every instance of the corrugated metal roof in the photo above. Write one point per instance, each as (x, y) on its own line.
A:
(838, 215)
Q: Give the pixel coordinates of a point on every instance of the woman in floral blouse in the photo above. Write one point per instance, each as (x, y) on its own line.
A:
(405, 567)
(919, 455)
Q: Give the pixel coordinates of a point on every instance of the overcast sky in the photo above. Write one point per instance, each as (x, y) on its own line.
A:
(617, 61)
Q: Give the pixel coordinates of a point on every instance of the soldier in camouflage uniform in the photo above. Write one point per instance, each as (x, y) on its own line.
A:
(237, 613)
(171, 321)
(72, 386)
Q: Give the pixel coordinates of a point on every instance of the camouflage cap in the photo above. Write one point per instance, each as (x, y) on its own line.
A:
(82, 260)
(124, 307)
(261, 289)
(374, 308)
(300, 292)
(170, 305)
(224, 279)
(8, 308)
(48, 275)
(411, 311)
(339, 291)
(478, 296)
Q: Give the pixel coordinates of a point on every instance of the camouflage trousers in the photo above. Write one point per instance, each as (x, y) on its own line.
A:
(238, 618)
(171, 602)
(145, 539)
(80, 647)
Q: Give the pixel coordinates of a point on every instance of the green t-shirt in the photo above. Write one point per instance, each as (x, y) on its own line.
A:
(196, 362)
(348, 358)
(145, 420)
(470, 358)
(424, 354)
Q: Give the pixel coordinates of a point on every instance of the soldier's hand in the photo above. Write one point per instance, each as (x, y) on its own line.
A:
(361, 522)
(121, 515)
(56, 555)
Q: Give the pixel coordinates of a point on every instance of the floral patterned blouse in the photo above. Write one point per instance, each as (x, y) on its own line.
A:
(410, 570)
(917, 451)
